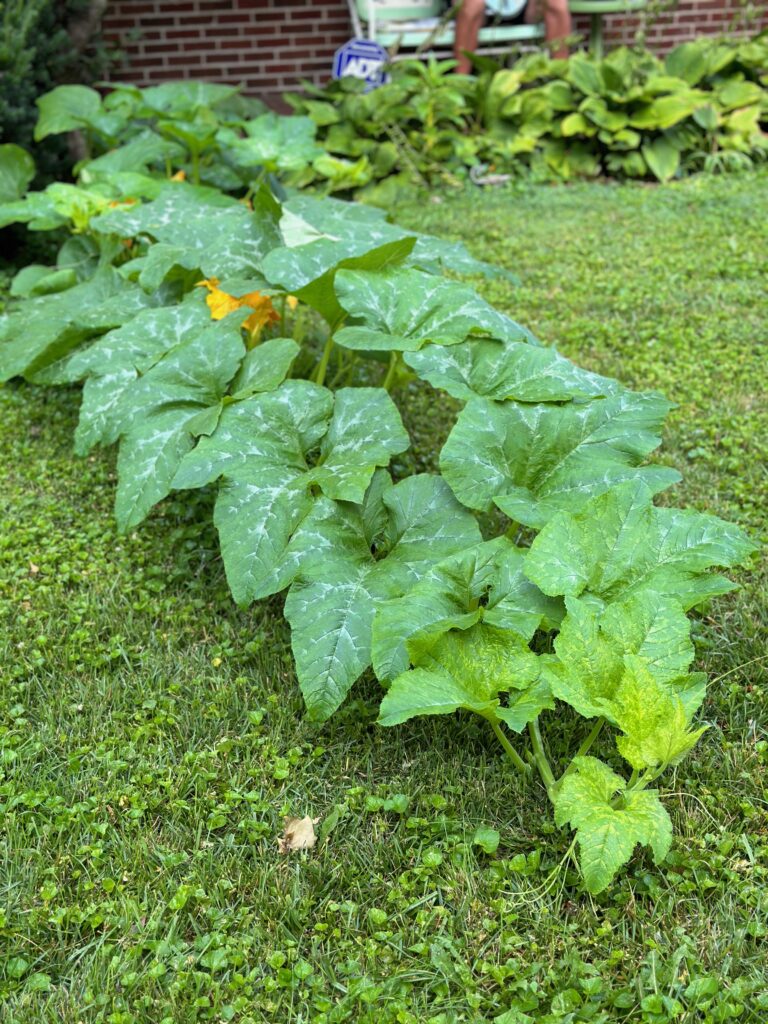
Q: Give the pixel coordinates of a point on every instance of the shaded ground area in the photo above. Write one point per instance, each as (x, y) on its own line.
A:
(152, 739)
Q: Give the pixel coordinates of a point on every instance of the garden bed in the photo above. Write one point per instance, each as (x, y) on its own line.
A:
(154, 735)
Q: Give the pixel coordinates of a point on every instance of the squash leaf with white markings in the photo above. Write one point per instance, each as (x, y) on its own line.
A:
(274, 451)
(620, 543)
(534, 460)
(353, 557)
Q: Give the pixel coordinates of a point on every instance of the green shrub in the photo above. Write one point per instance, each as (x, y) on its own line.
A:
(36, 53)
(628, 115)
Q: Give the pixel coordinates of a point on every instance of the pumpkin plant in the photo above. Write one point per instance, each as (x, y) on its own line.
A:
(259, 348)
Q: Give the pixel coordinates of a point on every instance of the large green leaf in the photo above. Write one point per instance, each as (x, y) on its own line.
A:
(157, 413)
(532, 461)
(662, 158)
(274, 142)
(467, 669)
(66, 108)
(228, 239)
(356, 226)
(351, 558)
(45, 330)
(688, 61)
(485, 581)
(610, 820)
(653, 718)
(17, 169)
(620, 543)
(185, 97)
(265, 367)
(309, 271)
(588, 667)
(403, 309)
(111, 365)
(262, 447)
(139, 154)
(499, 371)
(592, 647)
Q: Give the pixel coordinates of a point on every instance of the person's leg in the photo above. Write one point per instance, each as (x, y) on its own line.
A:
(557, 20)
(557, 24)
(469, 21)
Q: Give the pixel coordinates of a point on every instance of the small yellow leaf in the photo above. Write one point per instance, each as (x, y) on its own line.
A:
(292, 301)
(298, 834)
(179, 176)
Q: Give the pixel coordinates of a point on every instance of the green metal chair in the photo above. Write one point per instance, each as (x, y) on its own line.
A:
(597, 9)
(409, 25)
(413, 23)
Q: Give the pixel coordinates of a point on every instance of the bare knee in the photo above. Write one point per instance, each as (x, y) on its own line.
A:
(472, 9)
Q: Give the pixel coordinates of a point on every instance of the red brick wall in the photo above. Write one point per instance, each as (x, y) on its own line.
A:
(269, 45)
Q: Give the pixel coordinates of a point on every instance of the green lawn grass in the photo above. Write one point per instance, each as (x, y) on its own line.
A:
(152, 736)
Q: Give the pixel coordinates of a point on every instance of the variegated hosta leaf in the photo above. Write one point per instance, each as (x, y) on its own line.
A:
(468, 669)
(403, 309)
(345, 573)
(112, 365)
(492, 369)
(534, 460)
(450, 596)
(591, 650)
(620, 543)
(157, 414)
(228, 238)
(261, 447)
(45, 330)
(653, 718)
(610, 820)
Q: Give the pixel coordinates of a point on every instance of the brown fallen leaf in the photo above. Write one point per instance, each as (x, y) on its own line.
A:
(298, 834)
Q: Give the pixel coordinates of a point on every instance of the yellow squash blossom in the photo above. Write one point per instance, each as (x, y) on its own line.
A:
(221, 304)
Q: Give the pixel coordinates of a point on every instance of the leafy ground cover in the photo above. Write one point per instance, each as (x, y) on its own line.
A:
(148, 770)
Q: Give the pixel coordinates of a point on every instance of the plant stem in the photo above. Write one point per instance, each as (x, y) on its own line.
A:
(541, 758)
(387, 382)
(195, 167)
(322, 366)
(509, 750)
(587, 744)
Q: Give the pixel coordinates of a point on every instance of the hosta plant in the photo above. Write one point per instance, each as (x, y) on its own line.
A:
(260, 348)
(627, 115)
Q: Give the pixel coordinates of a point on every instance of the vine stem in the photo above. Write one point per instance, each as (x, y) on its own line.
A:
(391, 369)
(509, 750)
(322, 366)
(540, 757)
(586, 744)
